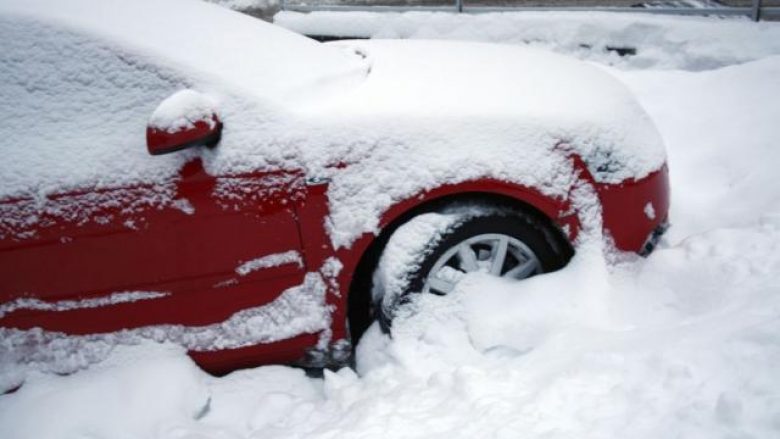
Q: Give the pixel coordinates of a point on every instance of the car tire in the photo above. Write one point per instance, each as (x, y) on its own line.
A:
(503, 242)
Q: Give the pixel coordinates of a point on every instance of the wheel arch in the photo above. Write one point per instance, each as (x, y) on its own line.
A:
(361, 259)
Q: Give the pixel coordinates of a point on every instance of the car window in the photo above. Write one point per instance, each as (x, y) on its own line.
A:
(74, 111)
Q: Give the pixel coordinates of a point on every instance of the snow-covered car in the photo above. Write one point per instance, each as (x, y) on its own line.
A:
(177, 171)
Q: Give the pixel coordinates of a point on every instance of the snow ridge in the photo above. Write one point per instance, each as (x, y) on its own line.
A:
(68, 305)
(269, 261)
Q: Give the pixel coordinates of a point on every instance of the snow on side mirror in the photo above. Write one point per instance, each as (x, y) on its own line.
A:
(185, 119)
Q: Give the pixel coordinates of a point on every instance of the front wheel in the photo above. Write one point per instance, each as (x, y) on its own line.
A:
(432, 252)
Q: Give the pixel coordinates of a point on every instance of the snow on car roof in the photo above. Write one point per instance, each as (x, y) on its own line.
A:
(194, 35)
(81, 79)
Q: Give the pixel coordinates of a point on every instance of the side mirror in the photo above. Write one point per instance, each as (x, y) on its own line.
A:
(185, 119)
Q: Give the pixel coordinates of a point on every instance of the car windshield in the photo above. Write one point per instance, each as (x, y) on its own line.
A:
(207, 43)
(81, 78)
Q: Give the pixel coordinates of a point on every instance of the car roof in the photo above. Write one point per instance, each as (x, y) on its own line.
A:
(199, 39)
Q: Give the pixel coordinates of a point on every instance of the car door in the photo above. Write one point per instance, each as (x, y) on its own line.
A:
(81, 253)
(221, 244)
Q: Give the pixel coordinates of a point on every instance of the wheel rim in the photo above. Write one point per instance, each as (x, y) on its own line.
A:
(493, 253)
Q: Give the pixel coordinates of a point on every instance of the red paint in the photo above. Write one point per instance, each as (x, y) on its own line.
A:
(624, 208)
(286, 352)
(199, 133)
(193, 256)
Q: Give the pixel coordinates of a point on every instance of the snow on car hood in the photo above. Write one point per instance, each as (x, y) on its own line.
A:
(431, 113)
(432, 85)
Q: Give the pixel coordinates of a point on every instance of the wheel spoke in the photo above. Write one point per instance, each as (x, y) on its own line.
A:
(499, 255)
(468, 259)
(523, 270)
(440, 285)
(487, 253)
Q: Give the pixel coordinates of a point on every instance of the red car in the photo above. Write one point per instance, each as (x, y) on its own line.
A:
(177, 171)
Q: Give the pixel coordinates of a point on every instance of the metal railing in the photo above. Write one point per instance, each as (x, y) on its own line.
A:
(756, 10)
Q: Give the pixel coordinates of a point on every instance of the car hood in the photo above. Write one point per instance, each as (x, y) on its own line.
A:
(453, 93)
(431, 113)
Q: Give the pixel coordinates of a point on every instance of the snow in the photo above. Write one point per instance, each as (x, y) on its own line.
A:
(739, 180)
(155, 383)
(182, 110)
(81, 80)
(66, 305)
(183, 205)
(403, 116)
(268, 261)
(683, 343)
(661, 42)
(447, 112)
(412, 241)
(77, 121)
(21, 219)
(194, 36)
(301, 309)
(242, 5)
(649, 211)
(406, 250)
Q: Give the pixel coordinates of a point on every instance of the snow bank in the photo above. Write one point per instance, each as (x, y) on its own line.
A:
(242, 5)
(724, 178)
(683, 344)
(690, 43)
(139, 392)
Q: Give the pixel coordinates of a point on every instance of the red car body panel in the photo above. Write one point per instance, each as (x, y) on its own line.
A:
(624, 207)
(191, 253)
(201, 132)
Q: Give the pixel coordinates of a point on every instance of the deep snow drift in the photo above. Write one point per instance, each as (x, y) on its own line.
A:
(685, 343)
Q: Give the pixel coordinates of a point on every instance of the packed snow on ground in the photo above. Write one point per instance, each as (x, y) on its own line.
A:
(682, 344)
